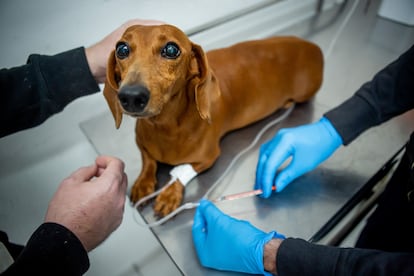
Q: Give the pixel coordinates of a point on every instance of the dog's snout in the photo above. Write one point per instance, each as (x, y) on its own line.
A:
(134, 98)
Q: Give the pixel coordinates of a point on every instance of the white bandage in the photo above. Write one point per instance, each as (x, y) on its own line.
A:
(184, 173)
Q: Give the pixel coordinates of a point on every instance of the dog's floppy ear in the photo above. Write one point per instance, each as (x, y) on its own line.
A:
(111, 90)
(205, 84)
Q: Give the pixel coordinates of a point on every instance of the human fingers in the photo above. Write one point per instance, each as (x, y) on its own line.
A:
(199, 230)
(209, 211)
(112, 170)
(124, 183)
(82, 174)
(206, 223)
(272, 156)
(137, 21)
(109, 164)
(290, 173)
(104, 160)
(117, 33)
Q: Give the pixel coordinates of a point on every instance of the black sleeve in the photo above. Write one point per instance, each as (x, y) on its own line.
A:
(298, 257)
(388, 94)
(51, 250)
(44, 86)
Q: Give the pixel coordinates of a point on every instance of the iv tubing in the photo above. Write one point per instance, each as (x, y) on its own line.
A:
(191, 205)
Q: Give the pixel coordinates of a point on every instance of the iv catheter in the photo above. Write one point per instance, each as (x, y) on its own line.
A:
(192, 205)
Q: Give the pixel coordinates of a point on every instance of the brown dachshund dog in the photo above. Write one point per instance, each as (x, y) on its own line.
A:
(185, 100)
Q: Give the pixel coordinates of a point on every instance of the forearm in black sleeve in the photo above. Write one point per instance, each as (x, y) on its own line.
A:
(44, 86)
(298, 257)
(390, 93)
(51, 250)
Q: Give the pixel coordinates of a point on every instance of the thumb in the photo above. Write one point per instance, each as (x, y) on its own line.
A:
(84, 173)
(285, 177)
(295, 169)
(199, 222)
(199, 230)
(204, 214)
(209, 211)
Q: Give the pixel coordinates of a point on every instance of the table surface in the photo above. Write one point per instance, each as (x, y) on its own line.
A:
(299, 211)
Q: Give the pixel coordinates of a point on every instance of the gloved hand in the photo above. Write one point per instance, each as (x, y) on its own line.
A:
(225, 243)
(308, 145)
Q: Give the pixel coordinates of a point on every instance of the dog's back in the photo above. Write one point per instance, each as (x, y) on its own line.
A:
(258, 77)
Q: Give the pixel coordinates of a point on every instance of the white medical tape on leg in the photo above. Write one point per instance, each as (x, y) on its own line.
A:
(184, 173)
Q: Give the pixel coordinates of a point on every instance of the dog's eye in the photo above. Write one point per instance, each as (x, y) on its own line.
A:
(122, 50)
(171, 51)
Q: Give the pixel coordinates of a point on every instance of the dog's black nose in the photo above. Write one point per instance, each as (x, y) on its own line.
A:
(134, 98)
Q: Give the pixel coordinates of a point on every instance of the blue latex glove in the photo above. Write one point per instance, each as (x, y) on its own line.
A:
(225, 243)
(308, 145)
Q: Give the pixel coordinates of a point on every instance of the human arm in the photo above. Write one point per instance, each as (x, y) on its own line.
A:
(387, 95)
(51, 250)
(44, 86)
(270, 251)
(33, 92)
(87, 207)
(225, 243)
(228, 244)
(299, 257)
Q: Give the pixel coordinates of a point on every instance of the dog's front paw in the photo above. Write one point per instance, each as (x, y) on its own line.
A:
(140, 189)
(169, 199)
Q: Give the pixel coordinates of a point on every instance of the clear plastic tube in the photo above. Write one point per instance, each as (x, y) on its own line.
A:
(191, 205)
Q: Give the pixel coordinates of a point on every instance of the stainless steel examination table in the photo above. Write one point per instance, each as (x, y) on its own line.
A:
(310, 202)
(301, 210)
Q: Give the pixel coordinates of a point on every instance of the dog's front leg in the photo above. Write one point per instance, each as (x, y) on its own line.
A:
(169, 199)
(172, 196)
(147, 179)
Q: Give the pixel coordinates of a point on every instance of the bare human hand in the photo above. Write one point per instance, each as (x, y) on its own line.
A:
(90, 202)
(97, 54)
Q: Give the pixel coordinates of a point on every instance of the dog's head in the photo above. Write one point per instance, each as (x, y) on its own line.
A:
(149, 66)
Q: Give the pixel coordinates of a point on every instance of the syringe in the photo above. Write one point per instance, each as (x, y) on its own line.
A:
(241, 195)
